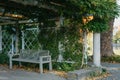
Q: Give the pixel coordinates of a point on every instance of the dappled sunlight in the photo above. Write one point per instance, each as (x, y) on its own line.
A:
(116, 51)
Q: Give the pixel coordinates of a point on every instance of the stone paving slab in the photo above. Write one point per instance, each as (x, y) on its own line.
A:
(110, 66)
(24, 75)
(6, 74)
(113, 69)
(84, 74)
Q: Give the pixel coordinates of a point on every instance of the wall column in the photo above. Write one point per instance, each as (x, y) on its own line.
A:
(96, 49)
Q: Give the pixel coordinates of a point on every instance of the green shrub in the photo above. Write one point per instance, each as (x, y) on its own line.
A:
(4, 59)
(98, 72)
(113, 58)
(63, 66)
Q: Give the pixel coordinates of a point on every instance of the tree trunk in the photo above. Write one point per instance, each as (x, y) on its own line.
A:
(96, 49)
(106, 41)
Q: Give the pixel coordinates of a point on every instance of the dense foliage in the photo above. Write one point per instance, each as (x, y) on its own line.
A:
(112, 59)
(73, 12)
(69, 37)
(4, 59)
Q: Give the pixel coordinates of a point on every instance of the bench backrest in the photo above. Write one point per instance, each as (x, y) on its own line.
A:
(33, 54)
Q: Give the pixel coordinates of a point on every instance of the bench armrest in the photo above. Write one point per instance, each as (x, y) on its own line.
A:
(12, 55)
(45, 58)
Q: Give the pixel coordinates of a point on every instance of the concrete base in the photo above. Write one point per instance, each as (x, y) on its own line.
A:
(84, 74)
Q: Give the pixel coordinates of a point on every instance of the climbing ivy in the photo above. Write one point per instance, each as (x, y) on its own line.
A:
(69, 36)
(97, 25)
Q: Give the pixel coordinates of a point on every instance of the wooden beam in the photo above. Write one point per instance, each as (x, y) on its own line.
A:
(25, 22)
(26, 2)
(36, 3)
(12, 15)
(19, 22)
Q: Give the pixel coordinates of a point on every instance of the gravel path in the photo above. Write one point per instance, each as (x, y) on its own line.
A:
(6, 74)
(115, 75)
(113, 69)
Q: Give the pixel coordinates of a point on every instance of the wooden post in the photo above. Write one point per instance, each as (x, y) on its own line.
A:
(61, 20)
(17, 39)
(13, 47)
(0, 38)
(84, 58)
(61, 50)
(60, 45)
(23, 40)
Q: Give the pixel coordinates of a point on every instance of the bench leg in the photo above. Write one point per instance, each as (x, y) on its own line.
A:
(20, 64)
(10, 65)
(41, 67)
(50, 65)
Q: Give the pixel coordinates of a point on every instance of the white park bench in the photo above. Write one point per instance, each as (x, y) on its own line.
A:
(32, 56)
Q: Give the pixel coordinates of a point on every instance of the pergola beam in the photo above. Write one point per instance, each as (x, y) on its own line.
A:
(36, 3)
(18, 22)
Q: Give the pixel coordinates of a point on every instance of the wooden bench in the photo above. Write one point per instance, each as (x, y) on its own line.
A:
(33, 56)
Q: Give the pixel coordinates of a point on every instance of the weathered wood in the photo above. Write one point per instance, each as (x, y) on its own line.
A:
(17, 39)
(23, 40)
(33, 56)
(19, 22)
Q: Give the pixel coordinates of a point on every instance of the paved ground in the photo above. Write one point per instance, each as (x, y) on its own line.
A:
(114, 70)
(6, 74)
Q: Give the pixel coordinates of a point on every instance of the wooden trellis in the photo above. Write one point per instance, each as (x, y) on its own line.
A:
(30, 39)
(13, 43)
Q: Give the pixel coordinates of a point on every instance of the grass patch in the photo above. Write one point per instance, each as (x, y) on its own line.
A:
(111, 59)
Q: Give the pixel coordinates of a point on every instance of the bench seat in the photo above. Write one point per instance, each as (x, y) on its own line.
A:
(28, 60)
